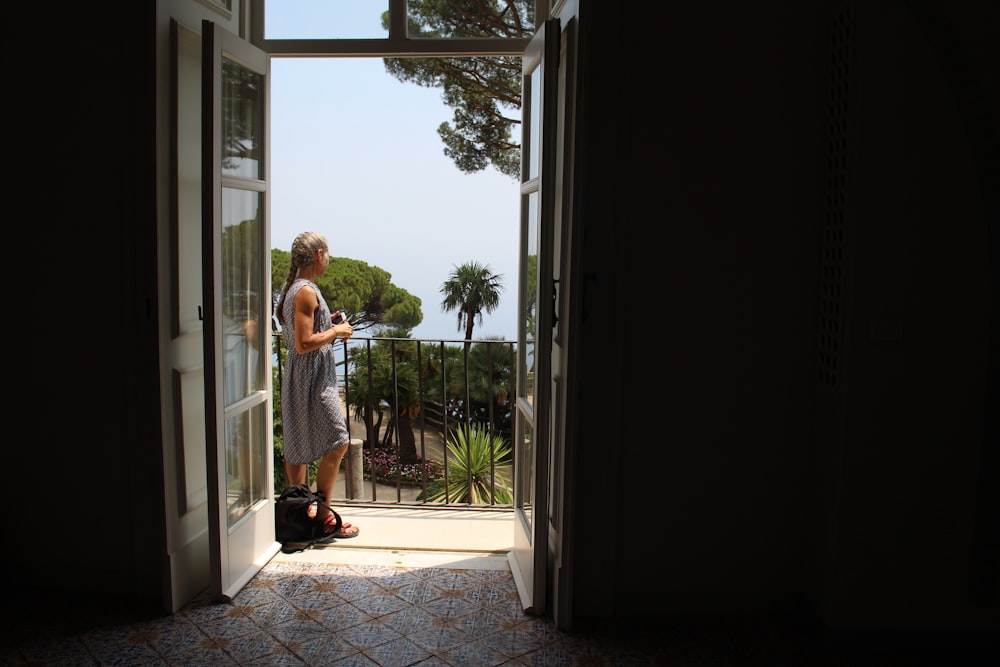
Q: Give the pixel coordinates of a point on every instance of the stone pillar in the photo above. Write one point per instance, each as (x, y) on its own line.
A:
(354, 482)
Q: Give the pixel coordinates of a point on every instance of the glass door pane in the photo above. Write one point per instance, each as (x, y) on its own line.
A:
(243, 358)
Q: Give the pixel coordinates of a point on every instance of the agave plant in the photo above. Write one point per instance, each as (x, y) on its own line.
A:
(474, 464)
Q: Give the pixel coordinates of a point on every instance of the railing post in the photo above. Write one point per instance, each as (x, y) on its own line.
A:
(354, 480)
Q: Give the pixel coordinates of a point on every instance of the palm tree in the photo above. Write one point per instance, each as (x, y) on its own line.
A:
(471, 289)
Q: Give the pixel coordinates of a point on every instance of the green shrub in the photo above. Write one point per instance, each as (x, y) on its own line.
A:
(476, 455)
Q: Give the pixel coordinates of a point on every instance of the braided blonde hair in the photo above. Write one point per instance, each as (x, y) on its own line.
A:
(304, 249)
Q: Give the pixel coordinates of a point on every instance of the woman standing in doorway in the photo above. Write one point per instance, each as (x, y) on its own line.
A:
(311, 410)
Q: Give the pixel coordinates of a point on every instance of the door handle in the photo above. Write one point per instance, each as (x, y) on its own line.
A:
(555, 302)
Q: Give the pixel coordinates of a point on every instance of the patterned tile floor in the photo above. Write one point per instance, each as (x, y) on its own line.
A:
(373, 611)
(297, 612)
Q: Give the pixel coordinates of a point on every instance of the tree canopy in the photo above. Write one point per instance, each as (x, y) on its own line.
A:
(364, 292)
(484, 91)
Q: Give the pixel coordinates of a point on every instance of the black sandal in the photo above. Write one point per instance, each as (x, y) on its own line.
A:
(335, 527)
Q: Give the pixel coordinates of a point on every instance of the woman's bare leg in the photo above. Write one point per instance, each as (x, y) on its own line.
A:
(326, 475)
(295, 473)
(326, 480)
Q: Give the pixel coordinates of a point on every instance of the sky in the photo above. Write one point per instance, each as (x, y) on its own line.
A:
(355, 156)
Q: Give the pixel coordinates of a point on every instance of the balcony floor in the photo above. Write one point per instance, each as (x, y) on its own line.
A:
(415, 529)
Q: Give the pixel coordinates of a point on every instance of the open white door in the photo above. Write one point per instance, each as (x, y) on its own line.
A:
(236, 293)
(536, 317)
(181, 321)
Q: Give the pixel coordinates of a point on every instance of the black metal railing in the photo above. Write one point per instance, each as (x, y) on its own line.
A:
(434, 416)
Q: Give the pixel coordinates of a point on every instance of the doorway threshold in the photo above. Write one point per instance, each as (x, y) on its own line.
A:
(415, 537)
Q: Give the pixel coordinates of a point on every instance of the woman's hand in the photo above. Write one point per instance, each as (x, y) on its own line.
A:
(343, 331)
(250, 331)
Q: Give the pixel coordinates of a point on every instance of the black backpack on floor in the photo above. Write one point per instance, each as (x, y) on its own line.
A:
(296, 522)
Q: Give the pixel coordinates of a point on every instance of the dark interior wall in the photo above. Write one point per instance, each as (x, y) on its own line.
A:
(743, 484)
(910, 460)
(718, 215)
(82, 490)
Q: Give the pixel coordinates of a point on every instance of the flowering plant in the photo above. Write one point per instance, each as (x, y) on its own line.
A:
(386, 466)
